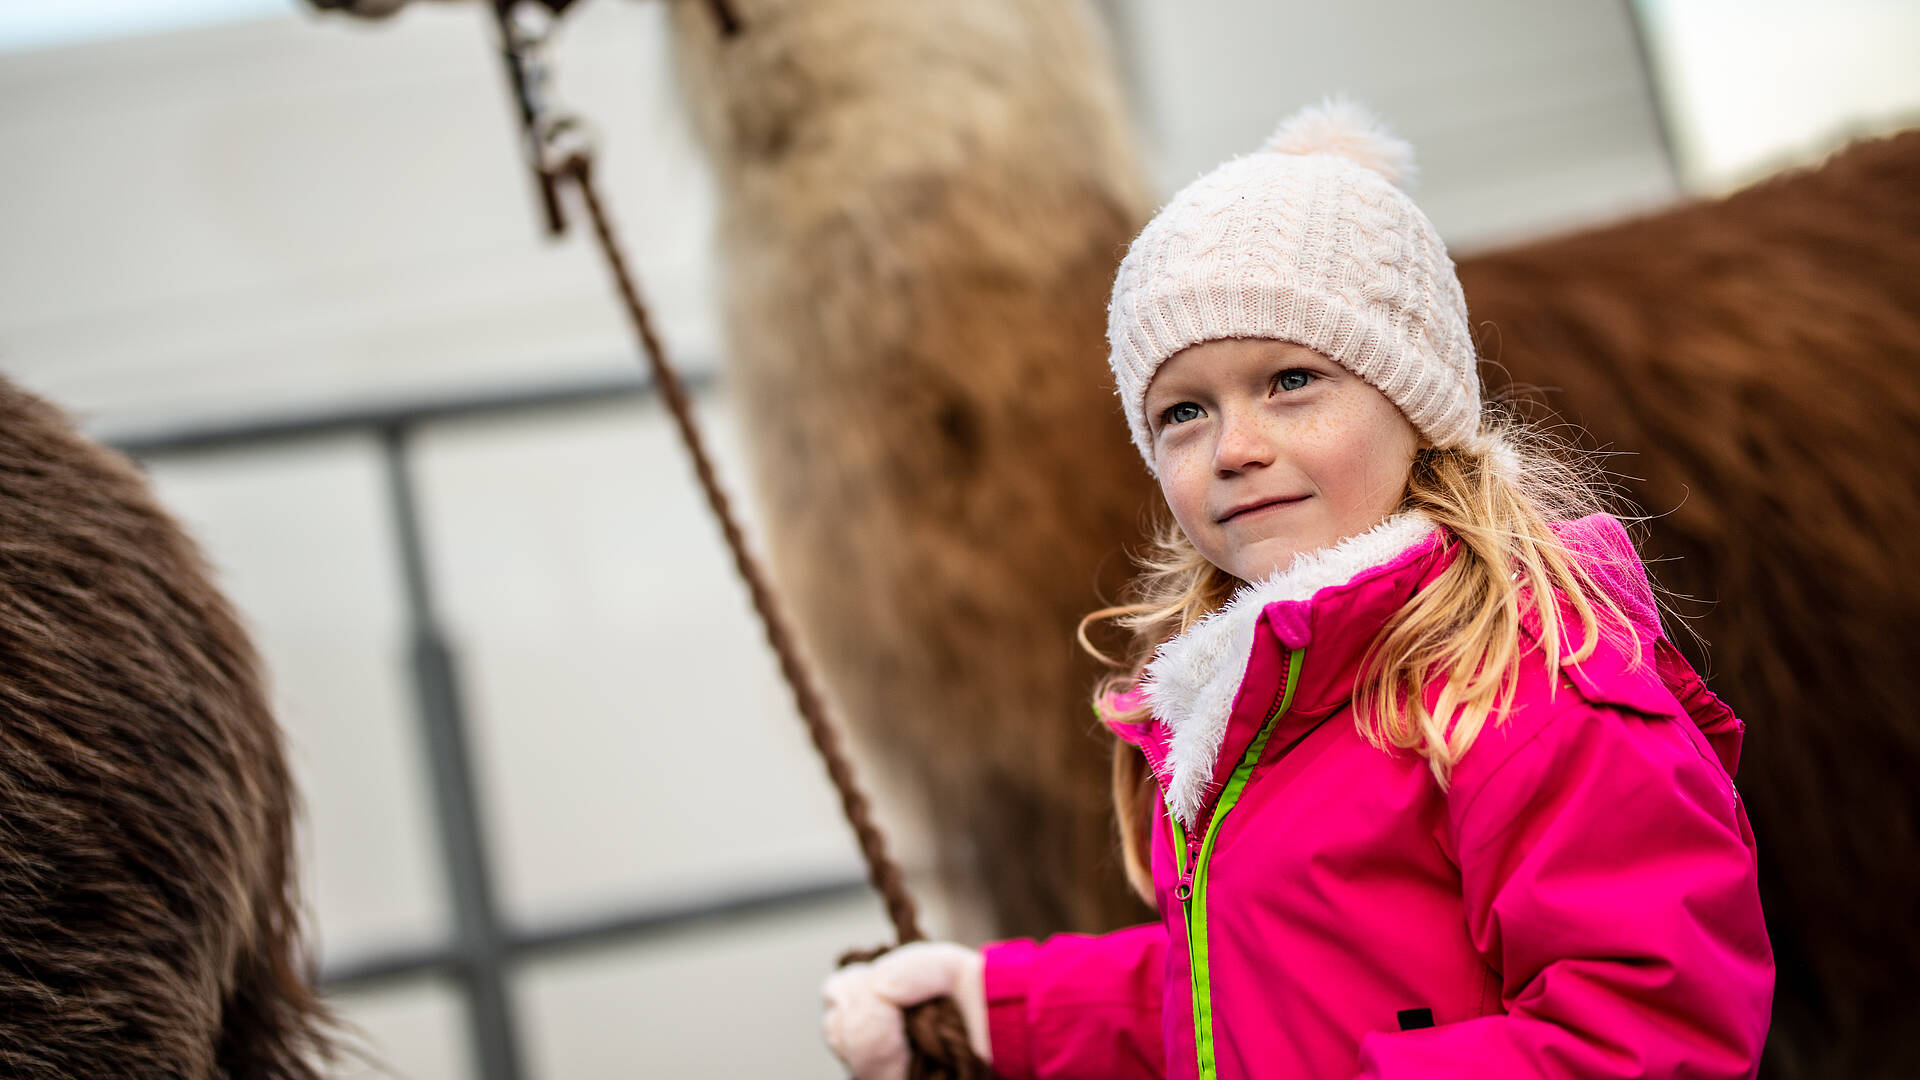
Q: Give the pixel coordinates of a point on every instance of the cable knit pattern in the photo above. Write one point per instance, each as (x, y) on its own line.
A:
(1308, 241)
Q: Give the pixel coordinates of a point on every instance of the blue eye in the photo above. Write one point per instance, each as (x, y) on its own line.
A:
(1293, 379)
(1181, 413)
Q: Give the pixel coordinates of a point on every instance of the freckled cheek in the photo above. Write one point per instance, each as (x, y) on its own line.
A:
(1183, 483)
(1351, 457)
(1306, 429)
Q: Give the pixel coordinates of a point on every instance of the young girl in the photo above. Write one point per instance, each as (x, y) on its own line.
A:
(1406, 764)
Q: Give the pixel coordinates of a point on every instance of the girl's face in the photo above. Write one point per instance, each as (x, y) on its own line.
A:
(1267, 449)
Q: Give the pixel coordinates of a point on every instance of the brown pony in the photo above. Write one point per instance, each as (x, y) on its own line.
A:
(149, 923)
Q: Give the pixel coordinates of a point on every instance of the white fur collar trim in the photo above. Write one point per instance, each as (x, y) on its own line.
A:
(1193, 678)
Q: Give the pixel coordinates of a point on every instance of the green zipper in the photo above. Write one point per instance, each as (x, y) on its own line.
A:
(1195, 903)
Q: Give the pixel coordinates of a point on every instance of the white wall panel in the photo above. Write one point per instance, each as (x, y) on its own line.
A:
(639, 746)
(414, 1031)
(302, 210)
(739, 1000)
(1755, 86)
(1524, 116)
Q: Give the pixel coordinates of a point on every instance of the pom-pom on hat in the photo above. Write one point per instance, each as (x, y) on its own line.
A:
(1310, 240)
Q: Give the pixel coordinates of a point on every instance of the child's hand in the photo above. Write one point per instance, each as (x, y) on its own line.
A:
(864, 1003)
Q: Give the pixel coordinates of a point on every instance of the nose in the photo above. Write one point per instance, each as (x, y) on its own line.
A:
(1244, 443)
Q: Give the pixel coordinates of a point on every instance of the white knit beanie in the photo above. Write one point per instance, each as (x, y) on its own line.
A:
(1310, 240)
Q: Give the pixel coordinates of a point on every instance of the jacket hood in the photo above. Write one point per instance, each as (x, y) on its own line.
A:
(1607, 553)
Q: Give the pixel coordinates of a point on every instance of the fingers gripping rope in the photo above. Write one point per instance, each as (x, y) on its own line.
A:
(935, 1031)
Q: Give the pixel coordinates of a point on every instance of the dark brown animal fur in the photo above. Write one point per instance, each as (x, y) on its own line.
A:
(149, 922)
(1759, 358)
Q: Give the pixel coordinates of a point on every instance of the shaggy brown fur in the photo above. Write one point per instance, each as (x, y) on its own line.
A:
(1759, 357)
(148, 918)
(923, 205)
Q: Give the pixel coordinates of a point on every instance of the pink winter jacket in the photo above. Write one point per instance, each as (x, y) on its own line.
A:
(1580, 901)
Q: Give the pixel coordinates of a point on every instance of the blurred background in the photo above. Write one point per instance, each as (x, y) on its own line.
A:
(293, 264)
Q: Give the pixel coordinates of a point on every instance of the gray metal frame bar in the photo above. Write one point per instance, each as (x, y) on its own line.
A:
(253, 431)
(611, 928)
(478, 929)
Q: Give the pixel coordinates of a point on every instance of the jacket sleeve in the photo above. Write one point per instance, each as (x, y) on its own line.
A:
(1077, 1006)
(1609, 879)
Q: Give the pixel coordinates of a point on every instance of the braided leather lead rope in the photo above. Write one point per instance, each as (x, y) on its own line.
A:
(935, 1029)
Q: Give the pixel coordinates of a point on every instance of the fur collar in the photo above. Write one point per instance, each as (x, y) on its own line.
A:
(1193, 679)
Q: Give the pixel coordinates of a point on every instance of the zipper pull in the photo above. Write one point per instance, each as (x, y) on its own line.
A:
(1184, 890)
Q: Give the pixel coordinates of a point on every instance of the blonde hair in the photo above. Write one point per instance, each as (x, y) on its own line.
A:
(1498, 502)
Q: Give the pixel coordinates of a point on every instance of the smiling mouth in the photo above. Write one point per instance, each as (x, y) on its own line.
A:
(1270, 505)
